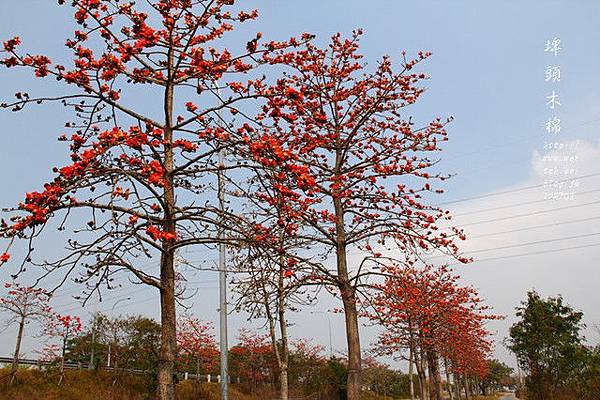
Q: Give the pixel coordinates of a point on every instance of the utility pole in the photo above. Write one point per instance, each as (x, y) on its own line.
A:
(222, 278)
(519, 373)
(330, 338)
(91, 364)
(94, 318)
(112, 310)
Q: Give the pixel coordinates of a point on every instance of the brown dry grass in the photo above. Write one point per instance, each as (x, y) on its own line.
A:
(77, 385)
(99, 385)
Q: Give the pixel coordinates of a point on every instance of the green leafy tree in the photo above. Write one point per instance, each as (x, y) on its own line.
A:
(590, 383)
(381, 380)
(131, 342)
(498, 375)
(548, 345)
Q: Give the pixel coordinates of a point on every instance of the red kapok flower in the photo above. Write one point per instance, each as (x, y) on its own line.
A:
(191, 106)
(10, 45)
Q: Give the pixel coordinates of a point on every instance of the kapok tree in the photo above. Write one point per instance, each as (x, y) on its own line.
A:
(63, 328)
(405, 306)
(24, 305)
(196, 344)
(252, 358)
(271, 283)
(273, 275)
(466, 345)
(466, 360)
(426, 311)
(308, 366)
(140, 168)
(359, 166)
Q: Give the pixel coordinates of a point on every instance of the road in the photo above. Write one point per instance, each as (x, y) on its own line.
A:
(508, 396)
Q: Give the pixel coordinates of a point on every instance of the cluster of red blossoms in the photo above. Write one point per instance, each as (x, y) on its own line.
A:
(40, 204)
(62, 326)
(426, 309)
(70, 322)
(156, 234)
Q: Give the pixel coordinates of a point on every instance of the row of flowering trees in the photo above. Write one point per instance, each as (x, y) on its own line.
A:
(323, 159)
(427, 313)
(131, 343)
(423, 311)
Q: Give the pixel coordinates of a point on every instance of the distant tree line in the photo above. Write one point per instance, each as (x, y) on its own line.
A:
(132, 343)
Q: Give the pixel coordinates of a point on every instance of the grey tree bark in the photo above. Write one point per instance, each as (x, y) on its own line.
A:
(168, 345)
(15, 362)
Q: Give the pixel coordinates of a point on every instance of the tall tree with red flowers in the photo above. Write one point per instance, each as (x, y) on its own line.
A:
(63, 328)
(427, 311)
(24, 304)
(338, 145)
(196, 344)
(271, 284)
(272, 273)
(252, 358)
(143, 170)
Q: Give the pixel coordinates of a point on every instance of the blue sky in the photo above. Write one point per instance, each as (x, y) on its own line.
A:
(487, 71)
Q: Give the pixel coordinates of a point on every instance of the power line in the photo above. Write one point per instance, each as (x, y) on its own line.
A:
(529, 214)
(71, 307)
(69, 304)
(535, 227)
(134, 302)
(524, 228)
(535, 242)
(517, 204)
(520, 189)
(125, 295)
(79, 307)
(533, 253)
(517, 140)
(467, 253)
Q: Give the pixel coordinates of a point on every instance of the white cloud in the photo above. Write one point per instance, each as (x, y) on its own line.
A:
(561, 224)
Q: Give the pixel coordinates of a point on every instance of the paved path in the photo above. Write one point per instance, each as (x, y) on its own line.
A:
(508, 397)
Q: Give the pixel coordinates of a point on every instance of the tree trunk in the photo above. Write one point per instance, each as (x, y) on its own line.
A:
(281, 355)
(15, 363)
(62, 357)
(166, 367)
(423, 393)
(198, 368)
(108, 357)
(435, 383)
(457, 386)
(168, 346)
(283, 383)
(411, 371)
(438, 374)
(353, 339)
(467, 388)
(348, 293)
(448, 385)
(285, 353)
